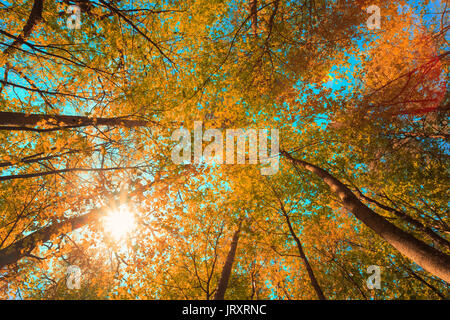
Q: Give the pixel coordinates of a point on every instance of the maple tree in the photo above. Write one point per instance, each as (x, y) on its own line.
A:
(86, 117)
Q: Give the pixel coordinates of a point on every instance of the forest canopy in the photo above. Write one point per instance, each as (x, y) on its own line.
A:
(224, 149)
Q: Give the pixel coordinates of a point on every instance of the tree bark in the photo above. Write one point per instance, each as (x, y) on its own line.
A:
(254, 15)
(35, 16)
(310, 271)
(51, 172)
(429, 285)
(429, 258)
(21, 121)
(402, 215)
(26, 245)
(228, 266)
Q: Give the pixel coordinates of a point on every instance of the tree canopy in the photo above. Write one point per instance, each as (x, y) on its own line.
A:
(91, 93)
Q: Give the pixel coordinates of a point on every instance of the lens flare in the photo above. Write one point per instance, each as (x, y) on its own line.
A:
(119, 222)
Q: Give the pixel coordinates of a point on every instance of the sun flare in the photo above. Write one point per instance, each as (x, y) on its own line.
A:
(119, 222)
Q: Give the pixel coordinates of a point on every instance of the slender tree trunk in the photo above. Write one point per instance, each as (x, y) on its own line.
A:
(429, 285)
(50, 172)
(420, 226)
(22, 121)
(35, 16)
(254, 15)
(429, 258)
(311, 275)
(25, 246)
(310, 271)
(228, 266)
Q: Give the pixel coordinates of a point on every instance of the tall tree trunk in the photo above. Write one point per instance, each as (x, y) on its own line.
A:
(311, 275)
(22, 121)
(228, 266)
(429, 285)
(25, 246)
(35, 16)
(50, 172)
(254, 15)
(310, 271)
(429, 258)
(405, 217)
